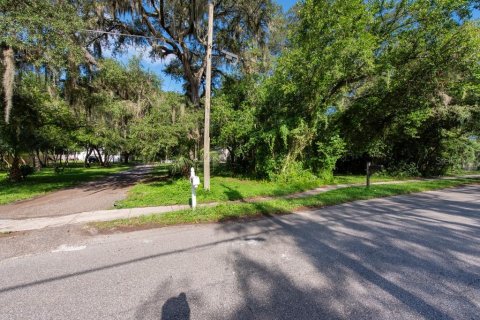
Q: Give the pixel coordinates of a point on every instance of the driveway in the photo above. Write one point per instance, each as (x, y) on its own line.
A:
(404, 257)
(95, 195)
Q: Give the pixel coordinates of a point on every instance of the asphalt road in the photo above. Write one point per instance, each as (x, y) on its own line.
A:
(407, 257)
(95, 195)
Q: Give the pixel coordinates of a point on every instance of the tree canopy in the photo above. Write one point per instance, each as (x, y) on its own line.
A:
(323, 88)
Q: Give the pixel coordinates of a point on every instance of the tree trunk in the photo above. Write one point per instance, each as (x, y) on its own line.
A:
(126, 155)
(99, 156)
(106, 160)
(9, 165)
(67, 155)
(4, 160)
(232, 158)
(40, 163)
(194, 93)
(34, 160)
(192, 79)
(86, 164)
(8, 79)
(15, 172)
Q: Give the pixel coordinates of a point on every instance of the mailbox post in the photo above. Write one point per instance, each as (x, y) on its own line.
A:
(372, 169)
(368, 173)
(195, 182)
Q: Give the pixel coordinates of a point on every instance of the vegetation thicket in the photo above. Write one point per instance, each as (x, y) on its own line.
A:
(321, 89)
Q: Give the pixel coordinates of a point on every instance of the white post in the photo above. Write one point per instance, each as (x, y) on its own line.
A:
(194, 187)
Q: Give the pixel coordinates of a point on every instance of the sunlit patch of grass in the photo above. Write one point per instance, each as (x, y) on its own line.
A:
(5, 234)
(177, 191)
(242, 210)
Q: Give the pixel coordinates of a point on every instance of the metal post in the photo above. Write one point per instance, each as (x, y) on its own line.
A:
(194, 197)
(194, 188)
(368, 173)
(208, 83)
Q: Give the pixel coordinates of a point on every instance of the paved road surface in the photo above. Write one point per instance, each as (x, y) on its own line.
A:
(95, 195)
(406, 257)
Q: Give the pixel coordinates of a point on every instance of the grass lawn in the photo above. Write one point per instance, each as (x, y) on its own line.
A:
(361, 179)
(226, 212)
(46, 181)
(5, 234)
(465, 173)
(222, 189)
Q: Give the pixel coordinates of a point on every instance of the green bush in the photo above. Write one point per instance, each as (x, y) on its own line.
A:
(404, 169)
(293, 172)
(181, 167)
(26, 170)
(329, 152)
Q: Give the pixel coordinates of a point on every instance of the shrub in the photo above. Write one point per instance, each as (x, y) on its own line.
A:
(294, 172)
(329, 152)
(181, 167)
(404, 169)
(58, 169)
(26, 170)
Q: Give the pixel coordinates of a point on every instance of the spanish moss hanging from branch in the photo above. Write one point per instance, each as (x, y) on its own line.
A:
(8, 80)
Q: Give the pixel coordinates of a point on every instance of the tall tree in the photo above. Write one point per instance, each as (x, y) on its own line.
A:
(330, 49)
(415, 106)
(35, 33)
(178, 28)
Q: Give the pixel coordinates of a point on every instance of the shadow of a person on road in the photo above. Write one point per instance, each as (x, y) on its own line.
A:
(176, 308)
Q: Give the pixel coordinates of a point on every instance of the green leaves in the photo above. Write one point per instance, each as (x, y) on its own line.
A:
(331, 51)
(425, 64)
(392, 68)
(41, 31)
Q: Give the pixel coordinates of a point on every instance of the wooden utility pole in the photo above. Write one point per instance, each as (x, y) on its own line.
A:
(208, 84)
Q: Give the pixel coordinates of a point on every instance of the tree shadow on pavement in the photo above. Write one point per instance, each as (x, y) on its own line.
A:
(406, 256)
(269, 293)
(413, 256)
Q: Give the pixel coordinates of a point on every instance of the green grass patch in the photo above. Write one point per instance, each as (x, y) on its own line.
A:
(47, 180)
(5, 234)
(233, 211)
(464, 172)
(361, 179)
(222, 189)
(170, 192)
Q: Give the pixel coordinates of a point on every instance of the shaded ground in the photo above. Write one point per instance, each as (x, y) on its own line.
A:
(95, 195)
(404, 257)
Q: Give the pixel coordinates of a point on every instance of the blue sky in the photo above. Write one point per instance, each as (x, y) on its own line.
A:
(286, 4)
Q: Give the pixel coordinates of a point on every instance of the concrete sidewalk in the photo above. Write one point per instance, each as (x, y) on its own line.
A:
(14, 225)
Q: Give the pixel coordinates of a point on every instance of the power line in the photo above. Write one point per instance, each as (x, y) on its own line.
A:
(121, 34)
